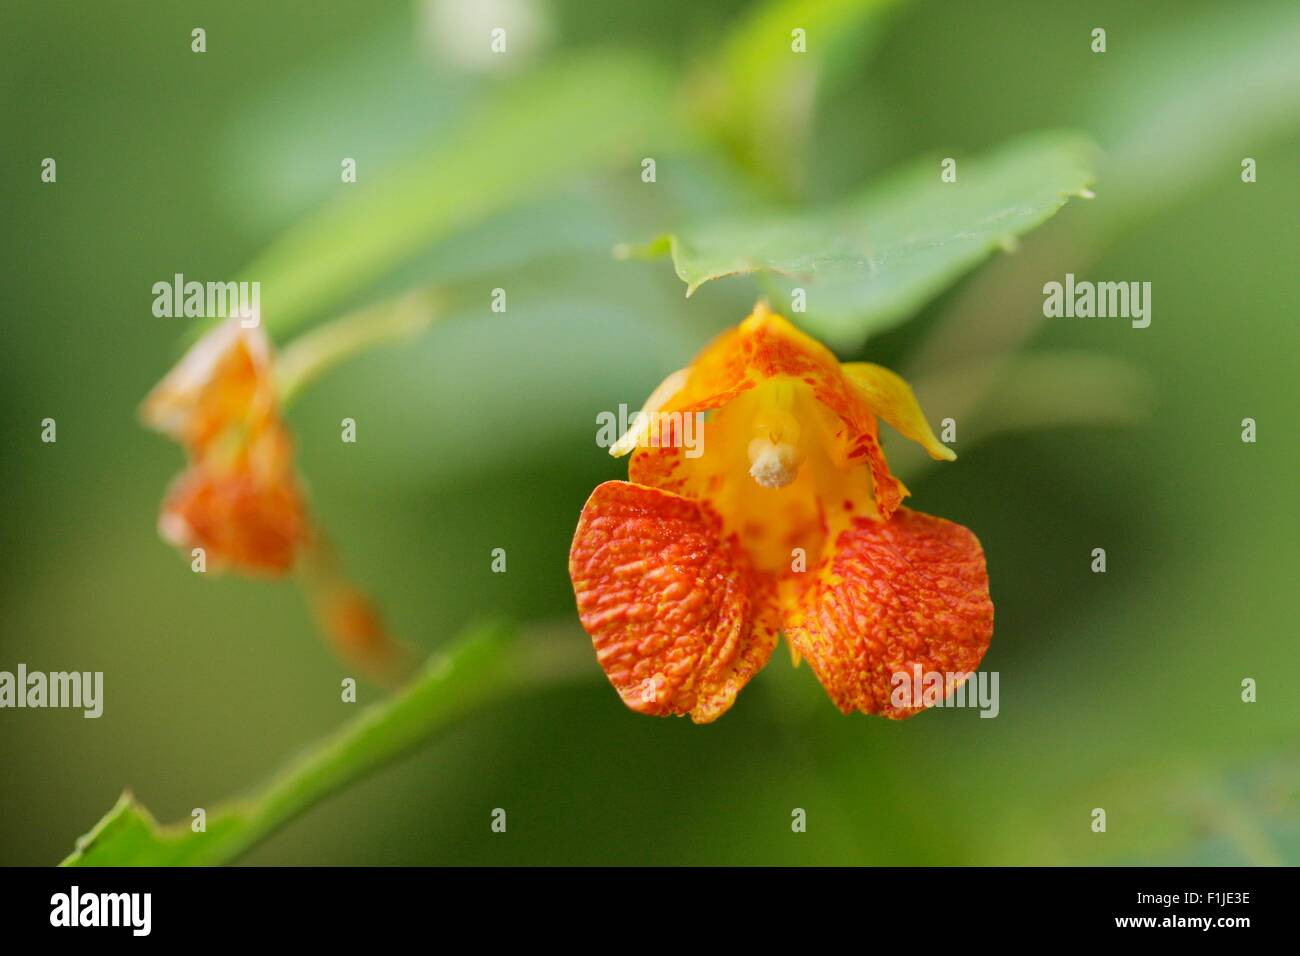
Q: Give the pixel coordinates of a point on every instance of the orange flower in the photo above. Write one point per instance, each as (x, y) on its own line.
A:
(786, 520)
(239, 498)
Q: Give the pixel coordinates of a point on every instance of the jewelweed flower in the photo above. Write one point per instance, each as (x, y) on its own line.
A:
(239, 499)
(790, 523)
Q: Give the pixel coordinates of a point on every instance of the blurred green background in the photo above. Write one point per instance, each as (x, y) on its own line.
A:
(1119, 691)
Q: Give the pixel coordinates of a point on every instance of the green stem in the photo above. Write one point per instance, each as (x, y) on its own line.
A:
(488, 665)
(311, 354)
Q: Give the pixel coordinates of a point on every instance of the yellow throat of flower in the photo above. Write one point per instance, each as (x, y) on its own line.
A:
(774, 481)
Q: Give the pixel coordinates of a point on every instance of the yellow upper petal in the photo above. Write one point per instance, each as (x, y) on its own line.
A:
(639, 432)
(893, 400)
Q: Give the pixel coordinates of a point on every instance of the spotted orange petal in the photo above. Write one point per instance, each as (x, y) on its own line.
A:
(223, 382)
(679, 621)
(912, 591)
(239, 498)
(242, 519)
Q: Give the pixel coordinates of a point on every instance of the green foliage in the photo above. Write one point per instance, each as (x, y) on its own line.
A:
(587, 114)
(479, 429)
(759, 95)
(1206, 93)
(871, 261)
(1023, 393)
(481, 666)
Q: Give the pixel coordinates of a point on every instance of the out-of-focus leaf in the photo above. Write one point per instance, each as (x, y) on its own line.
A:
(1196, 103)
(313, 353)
(1039, 390)
(581, 336)
(377, 101)
(588, 114)
(1234, 72)
(475, 670)
(867, 263)
(759, 94)
(1045, 389)
(1242, 812)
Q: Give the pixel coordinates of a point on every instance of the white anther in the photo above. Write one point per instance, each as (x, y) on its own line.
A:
(773, 464)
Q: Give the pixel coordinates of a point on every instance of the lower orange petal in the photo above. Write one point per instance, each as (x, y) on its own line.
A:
(240, 522)
(909, 592)
(678, 620)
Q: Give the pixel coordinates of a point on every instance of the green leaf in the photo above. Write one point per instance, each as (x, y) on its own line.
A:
(481, 667)
(591, 113)
(1021, 393)
(378, 100)
(868, 262)
(1233, 71)
(759, 95)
